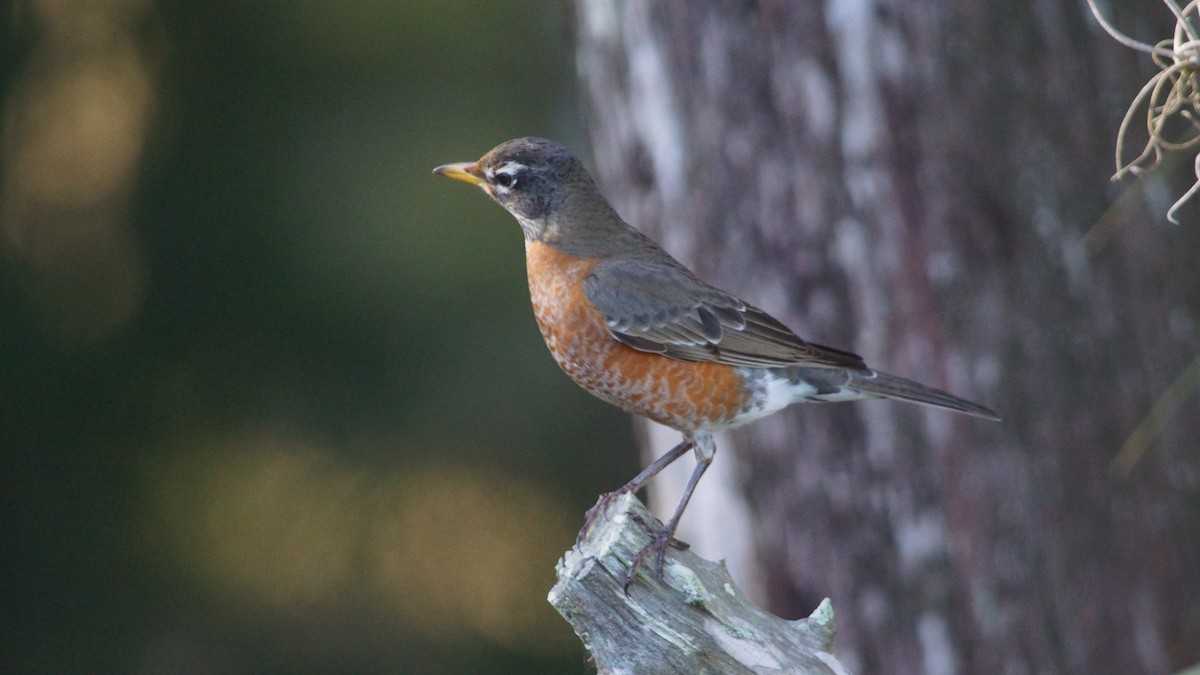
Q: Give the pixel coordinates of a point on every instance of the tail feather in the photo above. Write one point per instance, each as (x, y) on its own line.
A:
(875, 383)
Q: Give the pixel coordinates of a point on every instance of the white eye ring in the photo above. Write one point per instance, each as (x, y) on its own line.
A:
(504, 179)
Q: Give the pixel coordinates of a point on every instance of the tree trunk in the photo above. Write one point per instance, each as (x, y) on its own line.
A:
(914, 180)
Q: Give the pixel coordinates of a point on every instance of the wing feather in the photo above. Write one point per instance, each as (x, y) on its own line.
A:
(660, 307)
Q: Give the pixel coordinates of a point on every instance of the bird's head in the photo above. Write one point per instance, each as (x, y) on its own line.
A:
(539, 182)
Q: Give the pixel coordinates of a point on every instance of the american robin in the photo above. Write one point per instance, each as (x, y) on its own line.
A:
(633, 326)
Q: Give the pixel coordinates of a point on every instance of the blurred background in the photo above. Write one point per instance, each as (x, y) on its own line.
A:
(272, 398)
(271, 395)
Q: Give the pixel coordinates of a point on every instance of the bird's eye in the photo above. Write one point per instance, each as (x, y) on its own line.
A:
(504, 180)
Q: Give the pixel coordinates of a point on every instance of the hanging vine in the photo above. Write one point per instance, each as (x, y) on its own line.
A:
(1171, 97)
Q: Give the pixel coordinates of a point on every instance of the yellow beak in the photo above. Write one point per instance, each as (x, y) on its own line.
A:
(467, 172)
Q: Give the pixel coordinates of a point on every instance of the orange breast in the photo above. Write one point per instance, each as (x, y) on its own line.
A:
(683, 395)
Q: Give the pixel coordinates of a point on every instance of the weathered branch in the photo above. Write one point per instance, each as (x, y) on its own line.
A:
(695, 621)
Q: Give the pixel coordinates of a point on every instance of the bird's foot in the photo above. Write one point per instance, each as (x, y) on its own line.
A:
(660, 540)
(593, 514)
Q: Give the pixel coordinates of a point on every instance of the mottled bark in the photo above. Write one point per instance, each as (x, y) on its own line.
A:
(914, 180)
(694, 622)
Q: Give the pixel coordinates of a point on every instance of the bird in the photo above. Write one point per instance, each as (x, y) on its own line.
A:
(636, 328)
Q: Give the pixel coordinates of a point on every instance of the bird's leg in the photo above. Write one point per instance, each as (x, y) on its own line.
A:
(593, 514)
(706, 449)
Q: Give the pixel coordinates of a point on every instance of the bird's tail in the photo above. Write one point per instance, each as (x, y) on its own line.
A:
(875, 383)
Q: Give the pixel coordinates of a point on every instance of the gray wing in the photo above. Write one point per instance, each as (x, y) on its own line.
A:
(664, 309)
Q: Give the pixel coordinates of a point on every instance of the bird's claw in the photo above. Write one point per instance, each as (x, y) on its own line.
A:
(595, 513)
(660, 540)
(660, 537)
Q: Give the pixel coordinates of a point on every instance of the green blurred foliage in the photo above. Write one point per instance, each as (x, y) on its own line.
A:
(323, 435)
